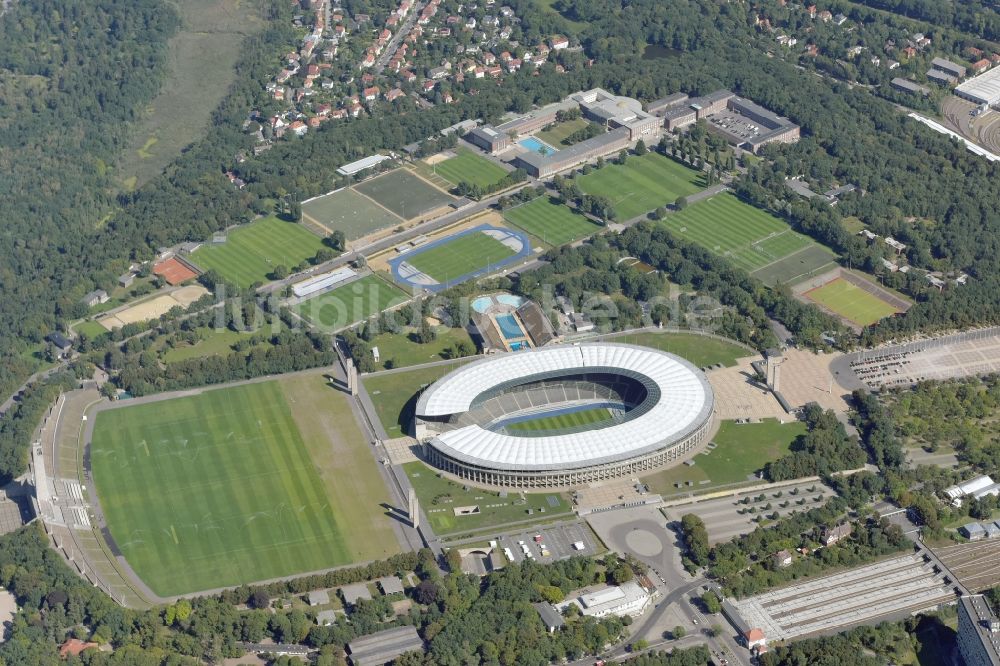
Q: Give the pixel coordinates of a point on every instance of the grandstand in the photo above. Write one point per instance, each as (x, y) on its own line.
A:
(659, 407)
(323, 282)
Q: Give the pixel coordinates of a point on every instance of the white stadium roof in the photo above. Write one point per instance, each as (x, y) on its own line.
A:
(684, 403)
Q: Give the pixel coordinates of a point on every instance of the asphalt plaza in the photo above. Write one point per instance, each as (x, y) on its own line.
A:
(558, 542)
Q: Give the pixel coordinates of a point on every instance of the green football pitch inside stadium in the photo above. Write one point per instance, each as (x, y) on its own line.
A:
(562, 421)
(642, 184)
(551, 222)
(252, 251)
(750, 237)
(460, 256)
(851, 302)
(471, 168)
(239, 484)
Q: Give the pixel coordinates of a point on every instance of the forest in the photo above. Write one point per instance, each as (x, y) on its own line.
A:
(463, 619)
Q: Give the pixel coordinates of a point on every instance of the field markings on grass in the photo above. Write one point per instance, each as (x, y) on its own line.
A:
(350, 303)
(228, 495)
(404, 193)
(751, 238)
(463, 255)
(573, 419)
(551, 222)
(352, 212)
(851, 302)
(643, 184)
(252, 251)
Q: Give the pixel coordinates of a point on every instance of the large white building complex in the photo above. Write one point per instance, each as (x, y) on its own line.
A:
(983, 89)
(481, 421)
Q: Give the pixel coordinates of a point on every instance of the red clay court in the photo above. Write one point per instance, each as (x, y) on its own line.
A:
(174, 271)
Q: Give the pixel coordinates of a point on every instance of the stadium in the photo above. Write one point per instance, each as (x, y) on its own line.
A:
(564, 415)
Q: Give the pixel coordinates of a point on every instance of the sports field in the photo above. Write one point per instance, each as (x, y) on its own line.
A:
(798, 266)
(439, 497)
(340, 307)
(642, 184)
(239, 484)
(252, 251)
(752, 238)
(851, 302)
(562, 421)
(740, 450)
(461, 256)
(552, 223)
(404, 193)
(469, 167)
(354, 214)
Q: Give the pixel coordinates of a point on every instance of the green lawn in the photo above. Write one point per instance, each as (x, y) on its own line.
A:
(460, 256)
(402, 351)
(701, 350)
(404, 193)
(252, 251)
(642, 184)
(558, 133)
(752, 238)
(811, 260)
(551, 222)
(90, 328)
(851, 302)
(439, 496)
(741, 450)
(563, 421)
(354, 302)
(239, 484)
(214, 342)
(353, 213)
(394, 395)
(469, 167)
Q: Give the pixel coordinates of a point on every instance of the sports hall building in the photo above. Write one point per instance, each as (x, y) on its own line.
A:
(471, 421)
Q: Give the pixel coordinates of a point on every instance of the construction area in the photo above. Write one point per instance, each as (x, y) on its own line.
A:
(890, 588)
(967, 354)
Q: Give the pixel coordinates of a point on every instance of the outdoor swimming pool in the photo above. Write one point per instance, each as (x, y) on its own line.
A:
(511, 299)
(537, 145)
(509, 327)
(482, 304)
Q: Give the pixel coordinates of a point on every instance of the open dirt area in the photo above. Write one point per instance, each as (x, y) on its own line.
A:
(154, 307)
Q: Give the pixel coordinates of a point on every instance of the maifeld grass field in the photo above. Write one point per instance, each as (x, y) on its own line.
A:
(550, 222)
(404, 193)
(239, 484)
(643, 184)
(471, 168)
(252, 251)
(562, 421)
(463, 255)
(741, 449)
(750, 237)
(851, 302)
(354, 214)
(353, 302)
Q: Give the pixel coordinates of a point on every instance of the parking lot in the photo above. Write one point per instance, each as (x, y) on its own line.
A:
(733, 515)
(558, 542)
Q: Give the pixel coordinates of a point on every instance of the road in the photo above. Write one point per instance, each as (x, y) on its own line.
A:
(41, 374)
(401, 32)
